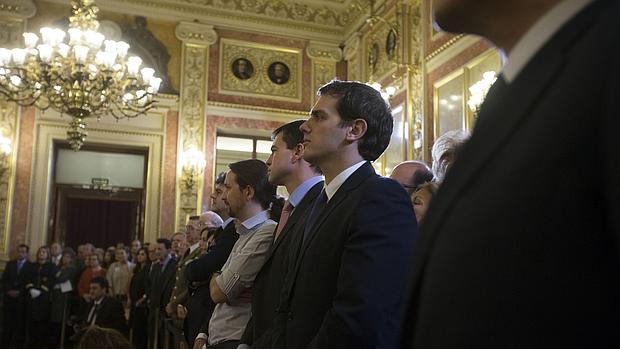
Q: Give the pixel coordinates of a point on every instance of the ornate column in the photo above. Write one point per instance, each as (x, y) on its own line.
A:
(196, 40)
(409, 16)
(13, 15)
(324, 57)
(352, 56)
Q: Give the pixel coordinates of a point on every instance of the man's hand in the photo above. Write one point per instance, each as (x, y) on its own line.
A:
(199, 343)
(181, 312)
(170, 310)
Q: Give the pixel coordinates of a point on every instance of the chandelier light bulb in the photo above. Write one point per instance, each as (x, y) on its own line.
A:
(30, 40)
(110, 45)
(133, 64)
(155, 83)
(75, 36)
(16, 80)
(19, 56)
(5, 56)
(80, 52)
(45, 53)
(147, 74)
(94, 39)
(57, 37)
(47, 35)
(63, 50)
(390, 90)
(122, 48)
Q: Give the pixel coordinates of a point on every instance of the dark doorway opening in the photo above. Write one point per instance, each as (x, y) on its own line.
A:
(99, 214)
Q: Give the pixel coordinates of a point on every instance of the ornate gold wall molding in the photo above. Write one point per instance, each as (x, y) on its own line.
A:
(324, 59)
(257, 79)
(20, 8)
(196, 40)
(13, 14)
(351, 55)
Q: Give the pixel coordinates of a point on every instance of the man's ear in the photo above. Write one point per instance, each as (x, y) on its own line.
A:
(248, 192)
(298, 153)
(357, 130)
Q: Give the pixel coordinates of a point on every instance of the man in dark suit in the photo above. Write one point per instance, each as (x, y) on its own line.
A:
(347, 278)
(159, 289)
(200, 305)
(17, 274)
(103, 311)
(304, 183)
(519, 248)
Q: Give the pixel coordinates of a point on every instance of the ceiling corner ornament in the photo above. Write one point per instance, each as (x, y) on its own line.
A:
(351, 46)
(78, 76)
(324, 51)
(195, 33)
(19, 8)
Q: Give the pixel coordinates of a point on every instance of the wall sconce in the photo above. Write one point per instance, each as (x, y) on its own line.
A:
(478, 91)
(194, 164)
(387, 93)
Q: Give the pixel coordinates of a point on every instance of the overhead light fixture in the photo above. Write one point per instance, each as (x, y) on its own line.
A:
(78, 73)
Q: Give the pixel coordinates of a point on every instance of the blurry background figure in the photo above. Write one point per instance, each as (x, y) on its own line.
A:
(179, 244)
(17, 274)
(138, 311)
(445, 150)
(56, 253)
(63, 296)
(136, 245)
(103, 338)
(38, 300)
(93, 269)
(421, 198)
(410, 174)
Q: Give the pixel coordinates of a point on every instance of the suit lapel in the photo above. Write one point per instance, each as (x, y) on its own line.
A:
(505, 108)
(353, 182)
(296, 216)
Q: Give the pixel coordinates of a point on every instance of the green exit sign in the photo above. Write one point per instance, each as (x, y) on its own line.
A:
(102, 182)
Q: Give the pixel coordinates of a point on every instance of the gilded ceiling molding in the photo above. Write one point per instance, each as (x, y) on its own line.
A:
(352, 45)
(196, 40)
(18, 8)
(324, 51)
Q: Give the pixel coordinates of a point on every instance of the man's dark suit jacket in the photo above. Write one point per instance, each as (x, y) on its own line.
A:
(269, 280)
(160, 285)
(109, 315)
(198, 274)
(520, 247)
(12, 280)
(345, 287)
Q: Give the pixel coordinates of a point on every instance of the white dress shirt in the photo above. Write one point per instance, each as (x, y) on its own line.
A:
(534, 39)
(332, 187)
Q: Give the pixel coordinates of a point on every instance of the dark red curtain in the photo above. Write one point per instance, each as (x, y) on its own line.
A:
(100, 222)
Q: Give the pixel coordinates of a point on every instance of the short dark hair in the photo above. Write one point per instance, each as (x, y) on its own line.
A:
(24, 246)
(360, 101)
(96, 337)
(101, 281)
(292, 136)
(254, 172)
(421, 176)
(220, 178)
(167, 243)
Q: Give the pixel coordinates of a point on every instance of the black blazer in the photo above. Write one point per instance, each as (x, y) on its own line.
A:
(269, 280)
(45, 278)
(198, 274)
(346, 285)
(519, 248)
(12, 280)
(160, 284)
(110, 314)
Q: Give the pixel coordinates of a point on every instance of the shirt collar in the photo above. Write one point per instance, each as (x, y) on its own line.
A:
(100, 300)
(193, 247)
(298, 194)
(539, 34)
(336, 183)
(166, 260)
(251, 223)
(227, 222)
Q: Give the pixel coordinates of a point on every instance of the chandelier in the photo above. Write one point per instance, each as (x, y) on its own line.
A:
(83, 76)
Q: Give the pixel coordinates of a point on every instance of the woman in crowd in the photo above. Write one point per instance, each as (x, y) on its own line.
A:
(421, 198)
(119, 275)
(137, 300)
(93, 269)
(63, 295)
(108, 259)
(38, 299)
